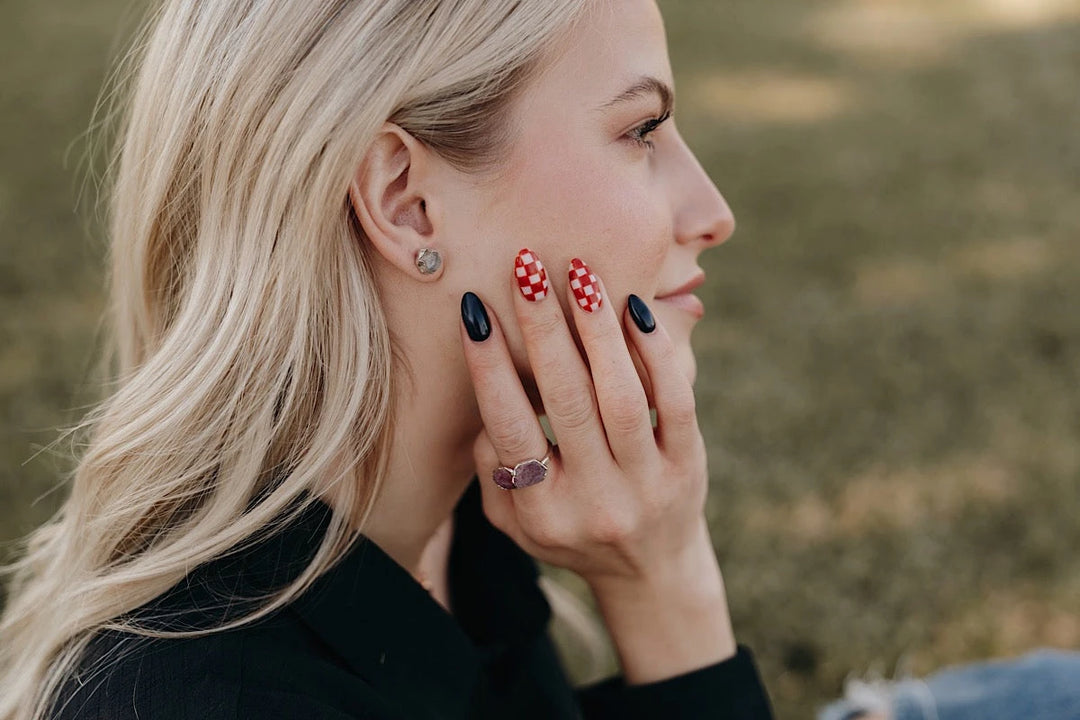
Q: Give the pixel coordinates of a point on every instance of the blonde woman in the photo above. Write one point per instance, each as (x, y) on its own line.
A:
(357, 247)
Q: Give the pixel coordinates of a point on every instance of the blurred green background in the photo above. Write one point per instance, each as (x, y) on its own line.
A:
(889, 368)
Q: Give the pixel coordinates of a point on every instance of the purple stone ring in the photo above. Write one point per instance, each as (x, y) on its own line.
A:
(524, 474)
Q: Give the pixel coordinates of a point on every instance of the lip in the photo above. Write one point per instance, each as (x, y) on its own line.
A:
(682, 297)
(686, 288)
(685, 301)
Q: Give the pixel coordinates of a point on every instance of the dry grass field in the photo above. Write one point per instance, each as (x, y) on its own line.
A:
(890, 368)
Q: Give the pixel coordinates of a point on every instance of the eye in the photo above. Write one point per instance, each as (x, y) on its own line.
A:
(640, 134)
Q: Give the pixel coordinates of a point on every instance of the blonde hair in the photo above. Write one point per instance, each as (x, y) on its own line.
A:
(252, 357)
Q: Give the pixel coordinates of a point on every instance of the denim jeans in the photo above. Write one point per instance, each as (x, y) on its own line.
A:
(1044, 685)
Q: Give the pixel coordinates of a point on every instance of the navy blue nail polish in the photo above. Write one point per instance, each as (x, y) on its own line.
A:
(641, 314)
(475, 318)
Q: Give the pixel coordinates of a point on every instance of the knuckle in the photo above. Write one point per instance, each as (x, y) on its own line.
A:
(689, 474)
(575, 411)
(511, 435)
(545, 537)
(678, 485)
(607, 333)
(682, 411)
(665, 351)
(552, 364)
(544, 324)
(627, 412)
(613, 528)
(483, 365)
(548, 532)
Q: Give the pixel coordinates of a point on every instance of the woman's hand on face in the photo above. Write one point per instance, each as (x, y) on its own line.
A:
(621, 501)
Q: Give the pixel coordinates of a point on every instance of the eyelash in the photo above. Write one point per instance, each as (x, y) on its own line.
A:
(640, 134)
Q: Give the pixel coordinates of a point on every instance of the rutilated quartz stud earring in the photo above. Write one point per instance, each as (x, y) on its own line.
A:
(428, 261)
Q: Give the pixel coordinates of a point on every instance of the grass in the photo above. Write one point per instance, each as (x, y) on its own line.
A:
(889, 369)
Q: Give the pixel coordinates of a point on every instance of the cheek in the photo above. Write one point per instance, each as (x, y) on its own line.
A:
(585, 206)
(604, 213)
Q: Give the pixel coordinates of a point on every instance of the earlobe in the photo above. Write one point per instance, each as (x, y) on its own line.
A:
(389, 197)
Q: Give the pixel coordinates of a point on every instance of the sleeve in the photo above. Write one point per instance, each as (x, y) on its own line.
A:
(727, 690)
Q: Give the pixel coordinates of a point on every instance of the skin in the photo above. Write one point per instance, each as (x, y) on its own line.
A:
(621, 506)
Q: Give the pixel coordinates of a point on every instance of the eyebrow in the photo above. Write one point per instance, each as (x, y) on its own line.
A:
(644, 87)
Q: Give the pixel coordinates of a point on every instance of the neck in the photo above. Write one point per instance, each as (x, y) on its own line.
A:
(436, 421)
(430, 465)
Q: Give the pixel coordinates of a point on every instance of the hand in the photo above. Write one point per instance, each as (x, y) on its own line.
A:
(621, 503)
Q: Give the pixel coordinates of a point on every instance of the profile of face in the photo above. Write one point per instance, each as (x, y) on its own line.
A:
(595, 169)
(597, 172)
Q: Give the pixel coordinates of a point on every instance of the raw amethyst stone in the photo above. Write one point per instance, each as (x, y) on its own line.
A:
(529, 473)
(504, 478)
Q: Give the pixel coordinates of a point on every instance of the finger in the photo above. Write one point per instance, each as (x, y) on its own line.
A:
(676, 413)
(512, 426)
(561, 375)
(498, 504)
(643, 375)
(620, 396)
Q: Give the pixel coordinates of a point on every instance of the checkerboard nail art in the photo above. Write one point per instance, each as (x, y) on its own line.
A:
(531, 276)
(585, 286)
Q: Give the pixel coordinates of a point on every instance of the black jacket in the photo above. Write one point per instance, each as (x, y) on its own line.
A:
(367, 641)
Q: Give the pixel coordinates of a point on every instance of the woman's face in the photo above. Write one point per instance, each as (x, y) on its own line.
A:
(585, 178)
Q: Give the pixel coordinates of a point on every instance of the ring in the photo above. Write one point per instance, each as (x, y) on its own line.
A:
(524, 474)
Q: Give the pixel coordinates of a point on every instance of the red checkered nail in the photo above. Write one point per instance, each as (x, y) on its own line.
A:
(531, 276)
(585, 286)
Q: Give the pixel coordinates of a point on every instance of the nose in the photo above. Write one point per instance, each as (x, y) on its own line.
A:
(702, 216)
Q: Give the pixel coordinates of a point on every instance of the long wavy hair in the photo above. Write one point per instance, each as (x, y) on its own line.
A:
(251, 356)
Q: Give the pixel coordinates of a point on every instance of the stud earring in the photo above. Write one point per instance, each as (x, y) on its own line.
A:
(428, 261)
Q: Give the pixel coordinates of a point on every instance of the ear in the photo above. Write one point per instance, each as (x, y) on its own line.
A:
(389, 195)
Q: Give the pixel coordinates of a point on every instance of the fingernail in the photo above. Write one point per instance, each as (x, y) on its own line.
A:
(641, 314)
(531, 276)
(585, 286)
(475, 318)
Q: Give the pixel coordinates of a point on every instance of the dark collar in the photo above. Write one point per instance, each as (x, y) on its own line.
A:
(373, 614)
(392, 633)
